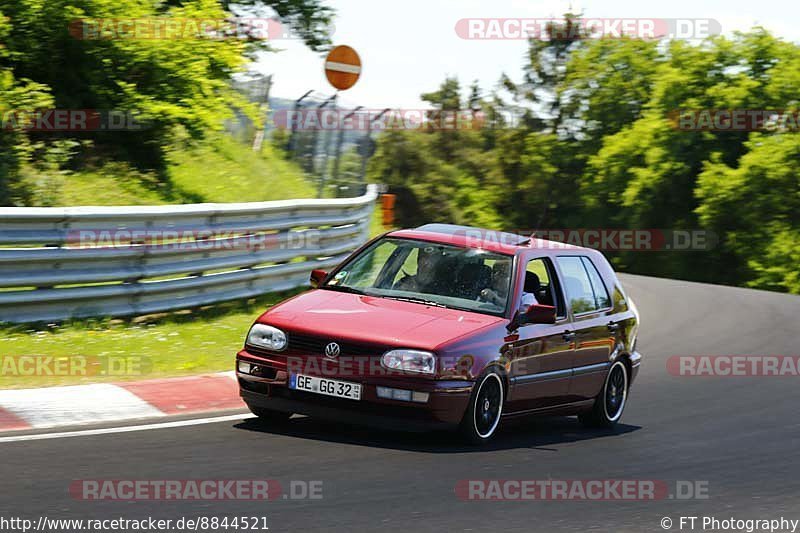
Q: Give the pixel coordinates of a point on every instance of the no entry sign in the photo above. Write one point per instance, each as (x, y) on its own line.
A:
(342, 67)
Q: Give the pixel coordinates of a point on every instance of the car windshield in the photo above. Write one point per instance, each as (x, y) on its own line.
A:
(430, 273)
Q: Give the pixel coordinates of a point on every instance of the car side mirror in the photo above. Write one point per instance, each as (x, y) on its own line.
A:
(317, 277)
(539, 314)
(536, 314)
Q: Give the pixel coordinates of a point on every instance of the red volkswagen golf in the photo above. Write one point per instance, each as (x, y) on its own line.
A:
(448, 326)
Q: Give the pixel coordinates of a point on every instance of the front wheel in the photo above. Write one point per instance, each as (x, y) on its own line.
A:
(610, 403)
(484, 410)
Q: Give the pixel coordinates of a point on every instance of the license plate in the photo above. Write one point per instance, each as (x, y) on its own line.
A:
(328, 387)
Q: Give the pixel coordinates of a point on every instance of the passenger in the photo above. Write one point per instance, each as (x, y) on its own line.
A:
(529, 291)
(498, 292)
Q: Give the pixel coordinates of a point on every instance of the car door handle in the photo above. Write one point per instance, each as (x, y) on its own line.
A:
(569, 335)
(613, 326)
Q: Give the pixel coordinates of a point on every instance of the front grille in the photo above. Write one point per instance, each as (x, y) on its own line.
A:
(314, 345)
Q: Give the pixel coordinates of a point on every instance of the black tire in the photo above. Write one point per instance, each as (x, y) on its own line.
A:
(485, 408)
(610, 403)
(268, 415)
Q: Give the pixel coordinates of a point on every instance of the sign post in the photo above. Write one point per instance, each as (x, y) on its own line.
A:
(342, 68)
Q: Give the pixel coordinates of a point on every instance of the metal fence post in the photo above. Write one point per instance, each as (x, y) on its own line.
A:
(366, 139)
(293, 137)
(326, 148)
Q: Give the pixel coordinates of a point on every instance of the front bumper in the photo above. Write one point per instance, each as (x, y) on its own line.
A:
(447, 400)
(636, 363)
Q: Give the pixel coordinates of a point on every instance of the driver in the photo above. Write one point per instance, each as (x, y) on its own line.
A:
(426, 272)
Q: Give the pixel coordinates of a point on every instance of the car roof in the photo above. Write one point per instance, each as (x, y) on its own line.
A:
(471, 237)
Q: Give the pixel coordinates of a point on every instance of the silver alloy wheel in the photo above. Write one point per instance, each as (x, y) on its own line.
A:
(615, 392)
(488, 406)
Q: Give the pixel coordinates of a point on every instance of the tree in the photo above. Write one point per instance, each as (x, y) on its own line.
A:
(170, 89)
(755, 208)
(15, 147)
(599, 145)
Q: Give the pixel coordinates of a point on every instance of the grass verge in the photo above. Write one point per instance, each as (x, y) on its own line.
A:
(172, 344)
(220, 169)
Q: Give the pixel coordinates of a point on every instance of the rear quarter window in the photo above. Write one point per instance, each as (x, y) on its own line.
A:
(601, 298)
(584, 288)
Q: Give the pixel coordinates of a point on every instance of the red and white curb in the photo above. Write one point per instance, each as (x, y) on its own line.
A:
(103, 402)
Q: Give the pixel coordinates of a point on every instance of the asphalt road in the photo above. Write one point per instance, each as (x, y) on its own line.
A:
(738, 435)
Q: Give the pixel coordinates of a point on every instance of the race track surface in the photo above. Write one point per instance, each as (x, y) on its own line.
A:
(740, 435)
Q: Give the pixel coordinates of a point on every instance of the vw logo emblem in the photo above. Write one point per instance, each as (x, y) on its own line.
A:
(332, 350)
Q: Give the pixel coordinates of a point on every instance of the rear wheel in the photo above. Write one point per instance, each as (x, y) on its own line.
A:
(610, 403)
(268, 415)
(485, 408)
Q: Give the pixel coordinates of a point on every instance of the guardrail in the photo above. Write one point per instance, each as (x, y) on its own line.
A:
(77, 262)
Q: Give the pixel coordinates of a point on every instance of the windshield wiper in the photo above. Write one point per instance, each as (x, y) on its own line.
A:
(416, 300)
(343, 288)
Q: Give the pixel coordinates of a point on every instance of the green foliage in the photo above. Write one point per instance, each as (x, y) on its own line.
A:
(430, 188)
(227, 171)
(171, 344)
(756, 205)
(597, 145)
(15, 93)
(173, 88)
(218, 169)
(163, 82)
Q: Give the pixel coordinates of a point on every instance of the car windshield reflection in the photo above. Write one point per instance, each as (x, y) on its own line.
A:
(429, 273)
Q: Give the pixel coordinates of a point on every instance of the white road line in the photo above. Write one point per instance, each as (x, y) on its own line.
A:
(125, 429)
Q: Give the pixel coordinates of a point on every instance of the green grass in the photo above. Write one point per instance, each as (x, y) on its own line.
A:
(227, 171)
(174, 344)
(170, 344)
(114, 184)
(218, 170)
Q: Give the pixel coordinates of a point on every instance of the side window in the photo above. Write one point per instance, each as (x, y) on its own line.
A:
(539, 281)
(601, 299)
(538, 267)
(577, 286)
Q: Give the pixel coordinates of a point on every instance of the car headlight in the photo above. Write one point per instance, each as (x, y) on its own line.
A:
(263, 336)
(410, 361)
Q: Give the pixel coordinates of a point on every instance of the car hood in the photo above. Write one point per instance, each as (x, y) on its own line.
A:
(370, 319)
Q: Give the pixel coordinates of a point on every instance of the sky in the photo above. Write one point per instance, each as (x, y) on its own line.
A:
(408, 47)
